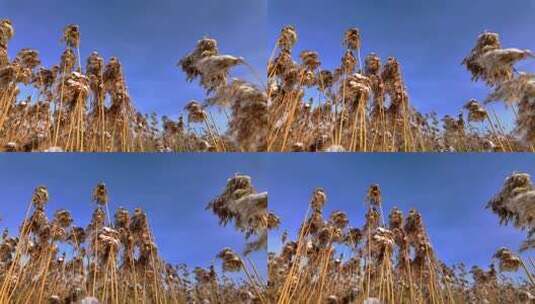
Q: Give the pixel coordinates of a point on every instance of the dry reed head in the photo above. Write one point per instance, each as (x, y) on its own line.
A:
(325, 79)
(108, 240)
(395, 218)
(394, 87)
(6, 30)
(71, 36)
(452, 124)
(310, 60)
(353, 237)
(273, 221)
(97, 219)
(498, 64)
(352, 39)
(45, 78)
(63, 218)
(28, 58)
(68, 60)
(77, 235)
(319, 198)
(241, 204)
(205, 48)
(100, 194)
(519, 90)
(122, 218)
(231, 261)
(139, 224)
(281, 64)
(482, 277)
(372, 64)
(113, 74)
(382, 243)
(214, 70)
(6, 33)
(515, 203)
(489, 62)
(348, 63)
(248, 124)
(76, 88)
(95, 64)
(204, 276)
(196, 113)
(357, 90)
(338, 219)
(476, 112)
(372, 219)
(374, 197)
(507, 260)
(287, 38)
(12, 74)
(486, 41)
(40, 197)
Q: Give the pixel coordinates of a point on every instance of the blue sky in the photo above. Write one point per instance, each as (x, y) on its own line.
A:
(450, 190)
(429, 38)
(149, 37)
(172, 190)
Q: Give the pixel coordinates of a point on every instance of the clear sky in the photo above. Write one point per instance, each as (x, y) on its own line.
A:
(149, 37)
(450, 190)
(429, 38)
(174, 192)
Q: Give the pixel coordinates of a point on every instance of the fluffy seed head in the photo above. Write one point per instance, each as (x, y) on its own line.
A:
(100, 194)
(40, 197)
(71, 35)
(352, 39)
(231, 261)
(287, 38)
(507, 260)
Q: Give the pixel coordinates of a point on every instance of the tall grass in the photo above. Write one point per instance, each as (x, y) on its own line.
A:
(361, 105)
(115, 260)
(87, 107)
(389, 259)
(364, 104)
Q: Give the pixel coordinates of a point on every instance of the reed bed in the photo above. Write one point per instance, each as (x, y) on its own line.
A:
(364, 105)
(389, 259)
(361, 105)
(87, 107)
(116, 259)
